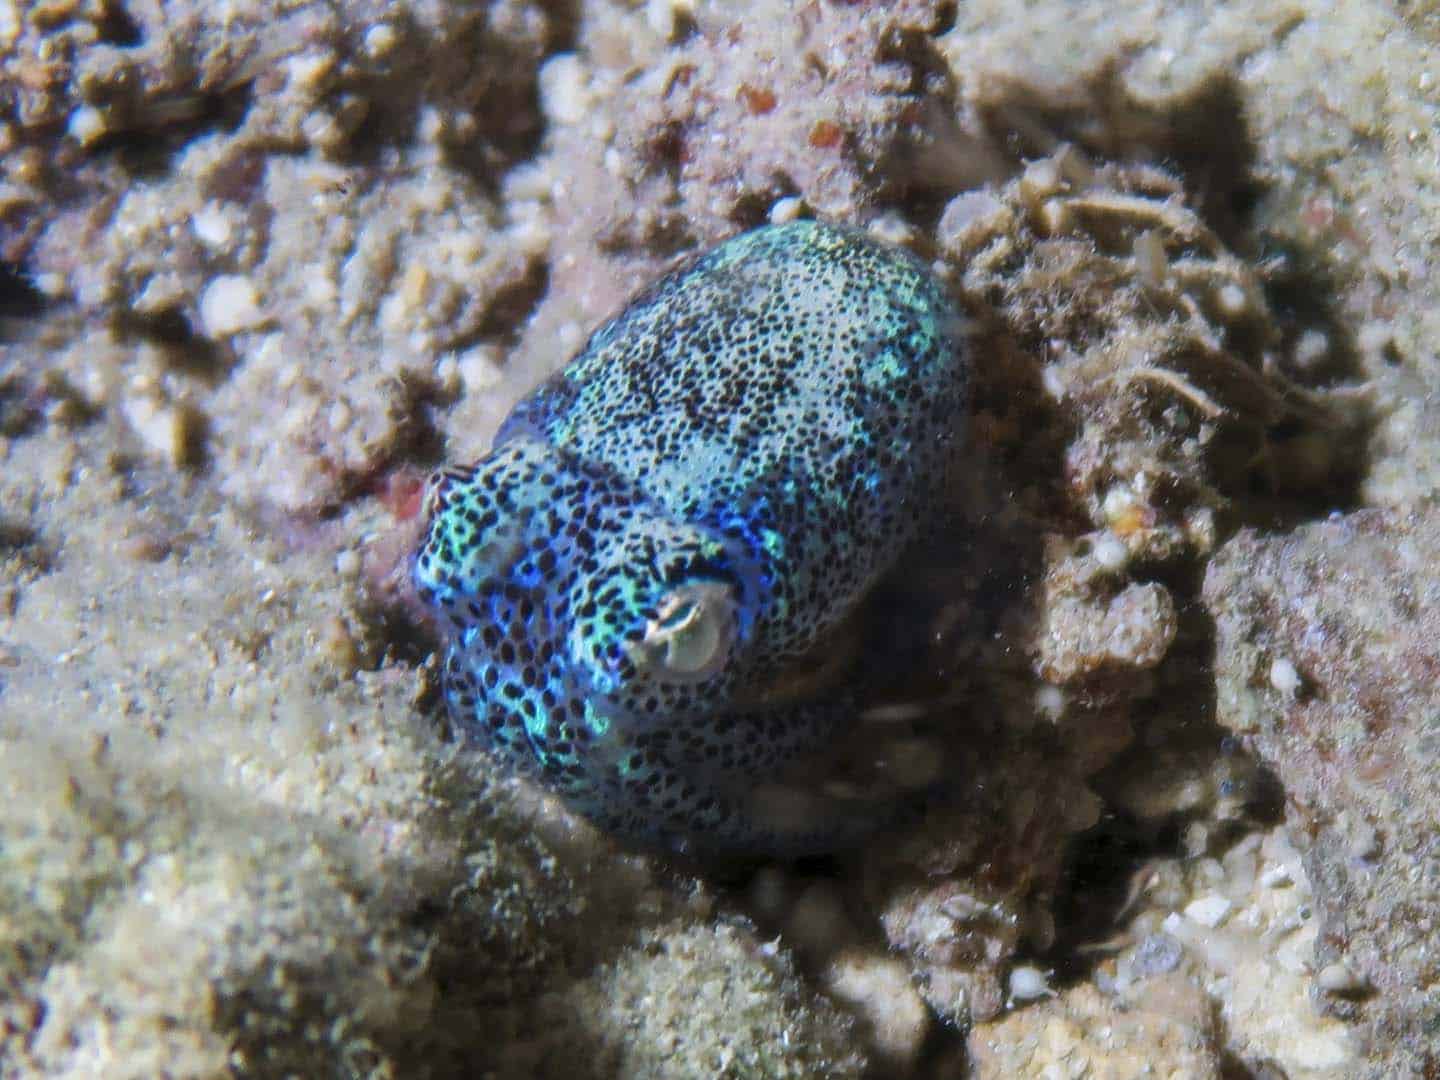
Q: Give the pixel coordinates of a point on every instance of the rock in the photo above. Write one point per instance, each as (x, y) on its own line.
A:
(1353, 605)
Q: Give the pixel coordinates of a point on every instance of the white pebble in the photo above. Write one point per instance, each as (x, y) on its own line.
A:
(431, 124)
(50, 284)
(87, 123)
(1054, 383)
(347, 563)
(310, 70)
(970, 210)
(379, 40)
(1232, 300)
(786, 209)
(1028, 983)
(1200, 528)
(1055, 217)
(340, 417)
(1150, 259)
(569, 337)
(564, 89)
(1050, 702)
(230, 305)
(479, 368)
(1208, 910)
(879, 989)
(1110, 552)
(1276, 876)
(1040, 179)
(1284, 677)
(661, 15)
(1119, 502)
(170, 430)
(1337, 978)
(211, 226)
(1312, 347)
(890, 229)
(320, 290)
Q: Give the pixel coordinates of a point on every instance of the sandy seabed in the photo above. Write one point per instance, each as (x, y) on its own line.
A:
(266, 264)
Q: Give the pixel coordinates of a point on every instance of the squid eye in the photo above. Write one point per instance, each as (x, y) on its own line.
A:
(689, 639)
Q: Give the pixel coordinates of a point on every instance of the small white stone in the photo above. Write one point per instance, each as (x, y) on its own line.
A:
(211, 226)
(786, 209)
(288, 376)
(890, 229)
(1276, 876)
(1337, 978)
(1284, 677)
(569, 336)
(1040, 179)
(1311, 348)
(340, 417)
(320, 129)
(320, 290)
(309, 70)
(972, 210)
(87, 123)
(661, 14)
(602, 128)
(447, 372)
(1150, 259)
(230, 305)
(1029, 983)
(1054, 383)
(614, 162)
(1200, 528)
(1119, 501)
(527, 184)
(347, 563)
(1050, 702)
(380, 40)
(164, 290)
(479, 368)
(879, 989)
(1109, 551)
(1208, 910)
(171, 431)
(50, 284)
(431, 124)
(1232, 300)
(564, 89)
(1054, 217)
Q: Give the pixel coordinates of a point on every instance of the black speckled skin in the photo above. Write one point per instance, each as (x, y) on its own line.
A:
(769, 424)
